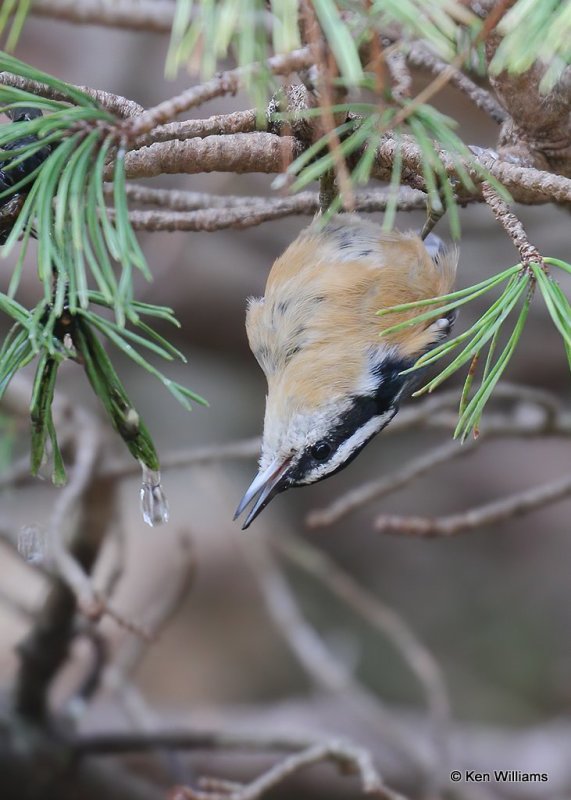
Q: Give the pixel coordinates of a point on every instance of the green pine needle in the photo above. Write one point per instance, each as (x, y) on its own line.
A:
(85, 258)
(13, 14)
(473, 411)
(486, 332)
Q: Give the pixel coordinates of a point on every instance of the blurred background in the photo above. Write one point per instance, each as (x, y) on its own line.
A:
(493, 606)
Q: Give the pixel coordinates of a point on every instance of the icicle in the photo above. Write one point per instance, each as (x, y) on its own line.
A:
(154, 506)
(32, 544)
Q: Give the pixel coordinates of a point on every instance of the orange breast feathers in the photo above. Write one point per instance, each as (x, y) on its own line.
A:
(321, 299)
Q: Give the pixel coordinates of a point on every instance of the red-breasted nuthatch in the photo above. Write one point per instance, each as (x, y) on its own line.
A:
(333, 382)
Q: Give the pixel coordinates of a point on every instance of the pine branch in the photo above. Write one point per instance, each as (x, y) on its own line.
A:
(227, 83)
(137, 15)
(248, 212)
(114, 103)
(511, 224)
(239, 153)
(264, 152)
(217, 125)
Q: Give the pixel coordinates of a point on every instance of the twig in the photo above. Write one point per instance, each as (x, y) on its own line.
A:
(260, 729)
(308, 202)
(421, 413)
(514, 505)
(526, 185)
(512, 226)
(117, 538)
(63, 563)
(180, 199)
(252, 214)
(400, 76)
(117, 675)
(347, 757)
(325, 671)
(63, 518)
(217, 125)
(243, 448)
(419, 56)
(115, 103)
(91, 680)
(375, 489)
(227, 83)
(139, 15)
(432, 412)
(435, 86)
(415, 655)
(208, 220)
(197, 211)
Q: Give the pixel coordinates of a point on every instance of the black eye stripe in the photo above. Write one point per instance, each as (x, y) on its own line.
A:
(361, 411)
(381, 403)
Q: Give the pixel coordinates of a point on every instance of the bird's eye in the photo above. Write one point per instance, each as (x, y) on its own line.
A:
(320, 451)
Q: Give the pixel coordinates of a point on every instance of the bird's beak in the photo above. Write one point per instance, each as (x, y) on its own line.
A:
(266, 485)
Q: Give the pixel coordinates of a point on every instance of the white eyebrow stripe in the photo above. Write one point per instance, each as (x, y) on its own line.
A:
(346, 448)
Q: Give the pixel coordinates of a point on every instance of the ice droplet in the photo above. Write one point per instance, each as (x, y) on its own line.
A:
(32, 544)
(154, 505)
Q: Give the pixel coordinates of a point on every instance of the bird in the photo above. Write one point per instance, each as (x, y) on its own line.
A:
(334, 381)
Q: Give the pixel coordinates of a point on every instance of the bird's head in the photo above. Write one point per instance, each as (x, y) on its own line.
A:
(304, 443)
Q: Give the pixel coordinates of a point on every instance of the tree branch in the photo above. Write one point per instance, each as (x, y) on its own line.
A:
(307, 202)
(137, 15)
(420, 56)
(528, 253)
(529, 186)
(267, 153)
(255, 211)
(217, 125)
(239, 153)
(226, 83)
(514, 505)
(114, 103)
(346, 756)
